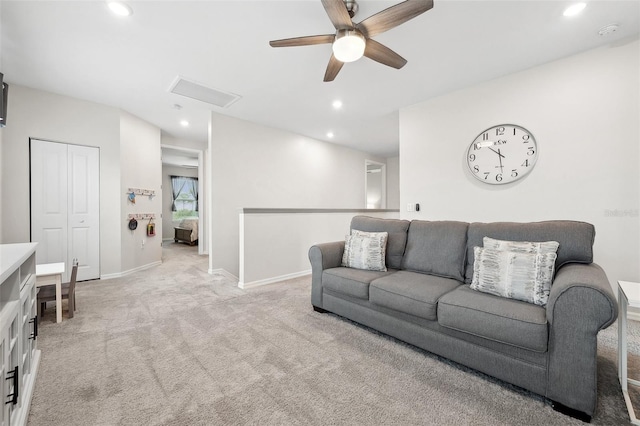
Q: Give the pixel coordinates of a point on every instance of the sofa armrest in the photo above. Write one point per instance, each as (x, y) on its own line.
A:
(323, 256)
(591, 279)
(581, 303)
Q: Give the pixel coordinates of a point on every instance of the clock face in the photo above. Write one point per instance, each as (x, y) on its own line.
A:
(502, 154)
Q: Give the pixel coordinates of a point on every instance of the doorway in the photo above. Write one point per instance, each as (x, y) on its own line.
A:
(65, 205)
(375, 185)
(183, 166)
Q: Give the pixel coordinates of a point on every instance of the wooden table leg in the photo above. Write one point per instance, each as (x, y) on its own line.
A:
(59, 298)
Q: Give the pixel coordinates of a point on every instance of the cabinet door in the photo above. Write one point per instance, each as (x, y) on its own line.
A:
(11, 359)
(27, 336)
(4, 366)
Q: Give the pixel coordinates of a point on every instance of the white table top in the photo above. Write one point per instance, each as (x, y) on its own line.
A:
(631, 291)
(49, 269)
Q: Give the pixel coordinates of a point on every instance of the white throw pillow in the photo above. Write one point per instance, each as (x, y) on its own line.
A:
(512, 274)
(365, 250)
(521, 246)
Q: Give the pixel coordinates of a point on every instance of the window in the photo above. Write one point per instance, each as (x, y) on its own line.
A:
(185, 197)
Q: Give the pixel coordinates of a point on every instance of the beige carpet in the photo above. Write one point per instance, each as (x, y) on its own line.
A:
(175, 346)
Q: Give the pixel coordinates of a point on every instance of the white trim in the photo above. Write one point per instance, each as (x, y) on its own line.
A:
(635, 316)
(241, 249)
(224, 273)
(273, 280)
(130, 271)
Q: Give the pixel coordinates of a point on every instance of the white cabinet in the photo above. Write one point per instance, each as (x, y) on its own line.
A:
(19, 355)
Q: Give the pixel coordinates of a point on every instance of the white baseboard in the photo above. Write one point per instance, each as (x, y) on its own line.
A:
(634, 316)
(224, 273)
(130, 271)
(274, 279)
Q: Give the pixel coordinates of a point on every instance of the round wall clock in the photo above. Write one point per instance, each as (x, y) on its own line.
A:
(502, 154)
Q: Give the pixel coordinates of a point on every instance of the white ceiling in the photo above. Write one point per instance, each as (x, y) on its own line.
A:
(80, 49)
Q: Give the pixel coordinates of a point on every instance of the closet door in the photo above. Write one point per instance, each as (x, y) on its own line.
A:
(65, 211)
(84, 210)
(49, 219)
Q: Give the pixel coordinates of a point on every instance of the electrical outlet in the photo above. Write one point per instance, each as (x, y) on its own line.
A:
(410, 207)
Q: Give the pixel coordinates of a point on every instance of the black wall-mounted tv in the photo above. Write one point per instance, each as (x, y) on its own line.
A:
(3, 101)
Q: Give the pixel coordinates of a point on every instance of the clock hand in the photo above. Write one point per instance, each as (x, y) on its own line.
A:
(500, 156)
(497, 152)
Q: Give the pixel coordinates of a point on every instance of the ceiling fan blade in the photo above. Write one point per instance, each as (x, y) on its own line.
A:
(303, 41)
(338, 14)
(393, 16)
(381, 53)
(333, 68)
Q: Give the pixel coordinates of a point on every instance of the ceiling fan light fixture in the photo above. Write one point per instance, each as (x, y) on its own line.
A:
(349, 45)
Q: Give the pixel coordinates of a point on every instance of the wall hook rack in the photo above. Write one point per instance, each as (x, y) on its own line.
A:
(139, 191)
(141, 216)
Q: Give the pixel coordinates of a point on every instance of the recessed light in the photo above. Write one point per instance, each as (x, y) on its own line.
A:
(184, 123)
(337, 104)
(330, 135)
(120, 9)
(574, 9)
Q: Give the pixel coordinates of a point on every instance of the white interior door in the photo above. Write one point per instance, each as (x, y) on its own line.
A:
(65, 211)
(84, 210)
(49, 200)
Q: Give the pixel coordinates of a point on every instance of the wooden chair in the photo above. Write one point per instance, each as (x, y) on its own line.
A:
(47, 293)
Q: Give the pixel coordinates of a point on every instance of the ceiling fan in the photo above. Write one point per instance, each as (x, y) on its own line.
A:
(351, 41)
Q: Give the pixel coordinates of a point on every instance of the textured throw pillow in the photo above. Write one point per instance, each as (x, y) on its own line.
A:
(521, 246)
(512, 274)
(365, 250)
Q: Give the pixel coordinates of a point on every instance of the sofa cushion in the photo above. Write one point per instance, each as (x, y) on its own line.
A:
(352, 282)
(397, 240)
(495, 318)
(575, 239)
(411, 292)
(436, 248)
(365, 250)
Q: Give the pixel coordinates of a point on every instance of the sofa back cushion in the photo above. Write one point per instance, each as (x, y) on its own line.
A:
(397, 240)
(575, 238)
(437, 248)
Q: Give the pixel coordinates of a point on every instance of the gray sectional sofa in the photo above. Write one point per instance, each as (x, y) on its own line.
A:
(424, 298)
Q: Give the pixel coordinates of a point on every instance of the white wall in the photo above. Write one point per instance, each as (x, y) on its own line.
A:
(583, 111)
(393, 182)
(167, 195)
(167, 139)
(52, 117)
(288, 235)
(254, 166)
(141, 167)
(129, 157)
